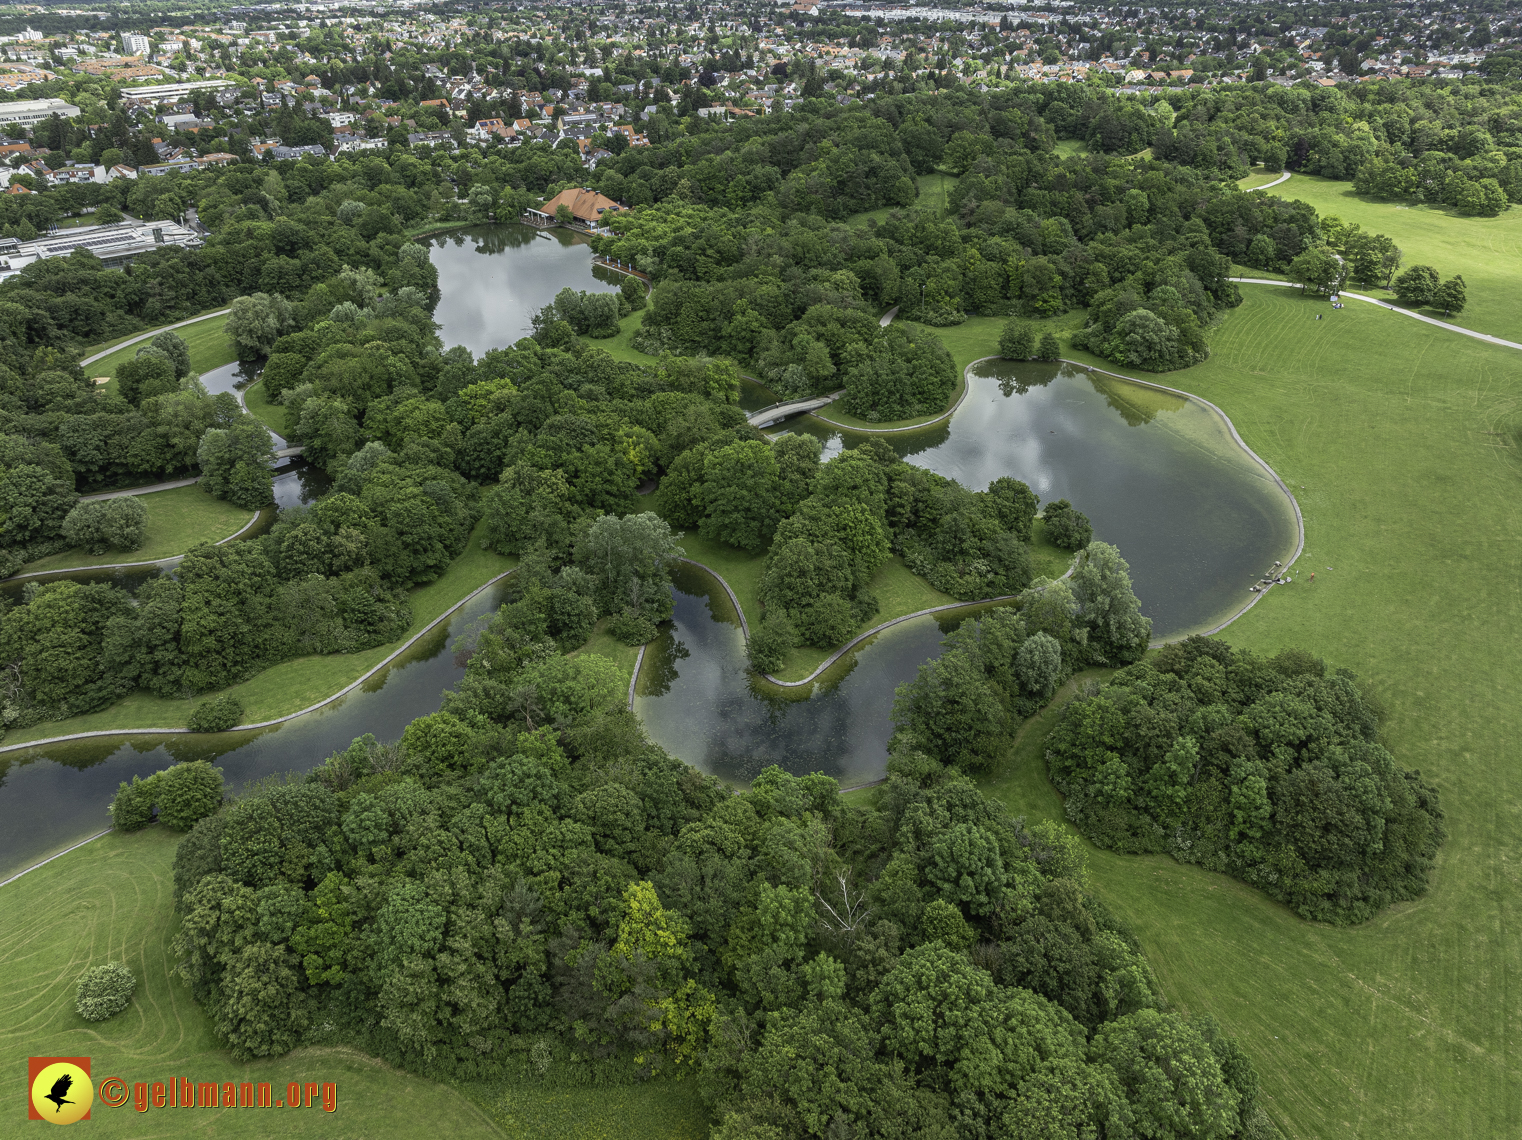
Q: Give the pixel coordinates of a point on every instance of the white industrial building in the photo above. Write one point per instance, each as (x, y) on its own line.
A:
(116, 245)
(29, 112)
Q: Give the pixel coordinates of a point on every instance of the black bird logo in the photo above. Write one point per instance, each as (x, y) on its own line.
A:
(60, 1091)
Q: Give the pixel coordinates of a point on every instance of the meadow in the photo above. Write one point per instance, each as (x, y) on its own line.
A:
(206, 338)
(1484, 251)
(1400, 441)
(177, 520)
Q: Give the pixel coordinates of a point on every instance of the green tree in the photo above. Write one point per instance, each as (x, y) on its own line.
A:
(235, 463)
(741, 491)
(1417, 286)
(1048, 348)
(1316, 268)
(1066, 527)
(107, 524)
(1017, 340)
(1450, 296)
(630, 561)
(256, 322)
(1117, 631)
(1170, 1076)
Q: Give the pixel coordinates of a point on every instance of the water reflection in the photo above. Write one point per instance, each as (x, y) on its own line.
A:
(56, 794)
(700, 702)
(1159, 475)
(494, 278)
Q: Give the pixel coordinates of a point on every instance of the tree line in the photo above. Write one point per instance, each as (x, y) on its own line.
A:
(531, 891)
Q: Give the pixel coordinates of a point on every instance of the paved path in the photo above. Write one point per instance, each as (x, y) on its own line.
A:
(172, 560)
(150, 334)
(1282, 178)
(170, 486)
(888, 317)
(1394, 309)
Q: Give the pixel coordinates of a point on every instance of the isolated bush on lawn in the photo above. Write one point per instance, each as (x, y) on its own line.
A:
(107, 524)
(104, 991)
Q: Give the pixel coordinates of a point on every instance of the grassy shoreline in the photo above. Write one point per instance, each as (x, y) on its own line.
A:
(293, 685)
(177, 520)
(1395, 436)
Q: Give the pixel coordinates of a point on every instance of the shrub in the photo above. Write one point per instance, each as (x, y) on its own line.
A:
(132, 809)
(1017, 341)
(107, 524)
(188, 793)
(216, 715)
(771, 642)
(104, 991)
(1065, 527)
(632, 629)
(1048, 348)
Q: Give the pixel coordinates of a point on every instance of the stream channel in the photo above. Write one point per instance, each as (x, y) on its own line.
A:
(1159, 475)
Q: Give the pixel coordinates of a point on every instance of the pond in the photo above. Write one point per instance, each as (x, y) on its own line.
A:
(494, 278)
(56, 794)
(1159, 475)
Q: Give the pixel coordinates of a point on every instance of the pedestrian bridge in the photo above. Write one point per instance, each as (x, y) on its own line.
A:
(776, 413)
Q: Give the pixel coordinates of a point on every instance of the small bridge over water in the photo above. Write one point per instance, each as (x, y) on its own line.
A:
(776, 413)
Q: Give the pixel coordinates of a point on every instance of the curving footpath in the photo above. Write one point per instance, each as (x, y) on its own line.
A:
(1268, 185)
(150, 334)
(172, 560)
(345, 691)
(130, 491)
(1393, 308)
(854, 642)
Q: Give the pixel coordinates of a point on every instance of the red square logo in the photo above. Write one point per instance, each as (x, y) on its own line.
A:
(35, 1066)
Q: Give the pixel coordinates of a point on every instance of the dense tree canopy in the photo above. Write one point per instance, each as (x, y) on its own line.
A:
(1268, 769)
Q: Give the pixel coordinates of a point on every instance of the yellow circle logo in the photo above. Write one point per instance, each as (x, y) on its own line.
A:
(62, 1093)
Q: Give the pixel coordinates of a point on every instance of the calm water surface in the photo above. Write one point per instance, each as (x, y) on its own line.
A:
(494, 278)
(1159, 476)
(57, 794)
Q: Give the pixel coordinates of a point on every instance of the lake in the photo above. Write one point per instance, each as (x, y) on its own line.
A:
(1158, 474)
(494, 278)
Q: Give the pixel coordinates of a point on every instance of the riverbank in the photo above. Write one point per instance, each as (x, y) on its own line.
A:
(294, 685)
(270, 415)
(206, 337)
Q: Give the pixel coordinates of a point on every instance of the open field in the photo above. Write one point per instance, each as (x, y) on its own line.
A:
(1486, 252)
(270, 415)
(933, 189)
(209, 348)
(1400, 441)
(177, 520)
(110, 901)
(1257, 178)
(291, 685)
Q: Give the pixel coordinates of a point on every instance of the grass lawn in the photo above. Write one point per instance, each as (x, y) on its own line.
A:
(110, 901)
(270, 415)
(1400, 441)
(605, 644)
(209, 348)
(1487, 252)
(1258, 178)
(291, 685)
(618, 346)
(177, 520)
(933, 188)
